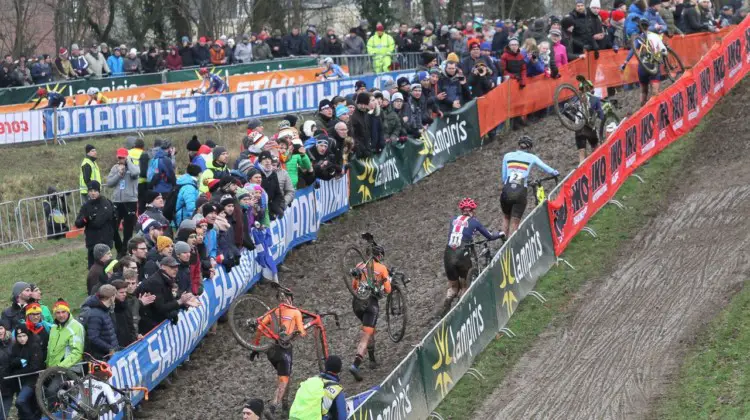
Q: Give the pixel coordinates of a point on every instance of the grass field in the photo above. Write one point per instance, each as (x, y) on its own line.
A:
(592, 259)
(714, 381)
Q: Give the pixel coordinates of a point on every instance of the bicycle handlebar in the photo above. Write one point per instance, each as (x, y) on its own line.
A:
(334, 315)
(540, 180)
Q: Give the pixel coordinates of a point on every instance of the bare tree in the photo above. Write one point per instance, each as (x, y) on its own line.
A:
(19, 29)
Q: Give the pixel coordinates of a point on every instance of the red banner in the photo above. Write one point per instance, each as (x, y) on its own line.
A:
(664, 119)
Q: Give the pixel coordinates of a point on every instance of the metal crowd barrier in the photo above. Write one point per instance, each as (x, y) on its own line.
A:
(47, 216)
(78, 368)
(368, 63)
(9, 233)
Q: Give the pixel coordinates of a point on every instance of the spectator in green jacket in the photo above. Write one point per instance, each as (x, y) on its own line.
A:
(297, 161)
(66, 338)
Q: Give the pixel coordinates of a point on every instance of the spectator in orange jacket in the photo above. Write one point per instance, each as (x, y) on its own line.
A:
(218, 56)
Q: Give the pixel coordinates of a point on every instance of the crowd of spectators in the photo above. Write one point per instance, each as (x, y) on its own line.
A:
(557, 40)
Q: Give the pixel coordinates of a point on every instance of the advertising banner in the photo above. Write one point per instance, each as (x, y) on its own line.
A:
(446, 353)
(21, 127)
(332, 198)
(257, 67)
(447, 138)
(401, 395)
(148, 361)
(382, 175)
(202, 110)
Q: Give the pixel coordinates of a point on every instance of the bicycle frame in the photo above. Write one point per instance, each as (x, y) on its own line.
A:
(315, 322)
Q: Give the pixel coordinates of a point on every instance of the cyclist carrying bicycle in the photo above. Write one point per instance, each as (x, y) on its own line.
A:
(646, 79)
(211, 83)
(587, 134)
(516, 169)
(367, 311)
(280, 355)
(456, 258)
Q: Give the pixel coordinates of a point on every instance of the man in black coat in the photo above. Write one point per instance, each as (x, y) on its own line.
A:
(361, 130)
(6, 387)
(97, 217)
(101, 335)
(124, 325)
(583, 33)
(295, 44)
(270, 184)
(165, 305)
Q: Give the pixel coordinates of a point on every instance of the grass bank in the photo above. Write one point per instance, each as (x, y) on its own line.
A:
(592, 259)
(714, 381)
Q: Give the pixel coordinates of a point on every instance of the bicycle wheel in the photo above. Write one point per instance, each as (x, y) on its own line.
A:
(609, 118)
(644, 56)
(673, 67)
(54, 401)
(245, 314)
(320, 349)
(396, 313)
(471, 276)
(352, 259)
(128, 414)
(569, 107)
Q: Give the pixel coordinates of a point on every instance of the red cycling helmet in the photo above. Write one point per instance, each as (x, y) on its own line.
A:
(101, 369)
(41, 92)
(467, 203)
(203, 71)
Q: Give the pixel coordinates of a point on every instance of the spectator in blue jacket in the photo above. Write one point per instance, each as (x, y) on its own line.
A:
(78, 62)
(41, 71)
(101, 336)
(164, 178)
(530, 52)
(116, 63)
(188, 194)
(636, 12)
(453, 83)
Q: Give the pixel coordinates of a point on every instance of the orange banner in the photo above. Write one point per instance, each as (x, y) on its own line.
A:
(237, 83)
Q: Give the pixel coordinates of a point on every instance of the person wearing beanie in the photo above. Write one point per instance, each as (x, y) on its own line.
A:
(217, 168)
(66, 338)
(26, 356)
(155, 210)
(292, 120)
(164, 248)
(512, 62)
(270, 180)
(101, 336)
(254, 124)
(323, 159)
(324, 117)
(253, 409)
(187, 195)
(123, 182)
(587, 27)
(193, 145)
(97, 218)
(88, 171)
(36, 325)
(360, 123)
(102, 257)
(182, 253)
(334, 398)
(152, 230)
(20, 296)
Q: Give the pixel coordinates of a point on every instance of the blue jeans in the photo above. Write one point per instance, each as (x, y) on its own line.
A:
(26, 404)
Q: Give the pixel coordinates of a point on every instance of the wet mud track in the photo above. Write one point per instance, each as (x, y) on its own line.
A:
(625, 337)
(413, 227)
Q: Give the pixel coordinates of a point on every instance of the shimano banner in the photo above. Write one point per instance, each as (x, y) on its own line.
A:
(201, 110)
(148, 361)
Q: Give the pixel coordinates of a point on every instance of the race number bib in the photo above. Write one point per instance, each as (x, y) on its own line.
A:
(457, 233)
(515, 177)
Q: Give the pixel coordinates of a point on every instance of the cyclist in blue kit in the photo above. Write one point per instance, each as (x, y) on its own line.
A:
(54, 99)
(456, 257)
(516, 169)
(212, 83)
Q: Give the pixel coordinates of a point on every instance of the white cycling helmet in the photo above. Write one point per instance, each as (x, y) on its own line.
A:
(92, 91)
(610, 128)
(328, 60)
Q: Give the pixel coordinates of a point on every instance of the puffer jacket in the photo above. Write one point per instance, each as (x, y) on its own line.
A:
(186, 198)
(667, 14)
(513, 65)
(116, 65)
(65, 347)
(124, 187)
(635, 13)
(101, 336)
(243, 53)
(392, 127)
(97, 64)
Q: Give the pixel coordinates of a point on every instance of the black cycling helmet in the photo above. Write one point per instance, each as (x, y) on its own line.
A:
(644, 23)
(378, 252)
(525, 142)
(282, 292)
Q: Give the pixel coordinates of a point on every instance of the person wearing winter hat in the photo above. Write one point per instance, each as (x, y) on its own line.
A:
(342, 113)
(381, 47)
(102, 257)
(193, 145)
(187, 195)
(155, 210)
(66, 338)
(37, 325)
(292, 120)
(253, 409)
(96, 217)
(334, 398)
(216, 169)
(27, 356)
(19, 298)
(182, 253)
(164, 248)
(324, 117)
(254, 124)
(152, 230)
(123, 180)
(89, 171)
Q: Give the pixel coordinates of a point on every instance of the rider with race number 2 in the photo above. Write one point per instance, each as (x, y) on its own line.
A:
(456, 256)
(280, 356)
(368, 310)
(516, 169)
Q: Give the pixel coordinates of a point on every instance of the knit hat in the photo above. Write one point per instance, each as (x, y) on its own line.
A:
(359, 85)
(333, 364)
(556, 32)
(386, 95)
(61, 305)
(74, 47)
(209, 208)
(264, 155)
(397, 97)
(210, 143)
(163, 242)
(188, 224)
(193, 170)
(363, 98)
(148, 224)
(100, 250)
(284, 124)
(226, 199)
(218, 150)
(416, 86)
(253, 123)
(428, 57)
(193, 145)
(292, 120)
(150, 196)
(324, 104)
(617, 15)
(181, 248)
(453, 57)
(22, 328)
(597, 3)
(473, 43)
(33, 308)
(244, 165)
(89, 148)
(512, 40)
(390, 84)
(94, 185)
(252, 172)
(499, 24)
(256, 406)
(18, 287)
(62, 51)
(169, 262)
(422, 76)
(242, 193)
(485, 46)
(341, 109)
(122, 152)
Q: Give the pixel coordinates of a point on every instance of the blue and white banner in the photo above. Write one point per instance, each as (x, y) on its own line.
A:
(148, 361)
(202, 110)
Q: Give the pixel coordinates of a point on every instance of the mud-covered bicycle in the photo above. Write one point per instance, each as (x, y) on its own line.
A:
(655, 55)
(258, 327)
(356, 264)
(573, 109)
(479, 261)
(537, 186)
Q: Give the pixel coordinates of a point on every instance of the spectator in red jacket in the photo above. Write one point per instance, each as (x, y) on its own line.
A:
(512, 62)
(174, 60)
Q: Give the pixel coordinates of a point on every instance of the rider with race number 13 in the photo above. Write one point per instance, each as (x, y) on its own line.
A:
(516, 169)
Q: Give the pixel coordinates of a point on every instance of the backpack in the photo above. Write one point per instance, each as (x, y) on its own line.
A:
(170, 207)
(308, 401)
(153, 169)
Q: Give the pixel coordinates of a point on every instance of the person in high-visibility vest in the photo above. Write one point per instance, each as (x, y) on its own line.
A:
(135, 148)
(215, 169)
(89, 172)
(381, 46)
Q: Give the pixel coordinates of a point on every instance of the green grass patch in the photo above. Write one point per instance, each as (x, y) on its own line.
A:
(714, 381)
(592, 259)
(59, 275)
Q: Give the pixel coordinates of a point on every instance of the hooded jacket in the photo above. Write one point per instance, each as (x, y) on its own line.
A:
(174, 61)
(124, 187)
(116, 65)
(165, 305)
(98, 219)
(101, 336)
(65, 347)
(33, 354)
(163, 181)
(186, 198)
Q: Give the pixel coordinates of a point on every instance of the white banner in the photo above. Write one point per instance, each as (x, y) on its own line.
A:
(21, 127)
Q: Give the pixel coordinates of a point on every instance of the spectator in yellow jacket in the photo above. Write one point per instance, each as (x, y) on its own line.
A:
(381, 46)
